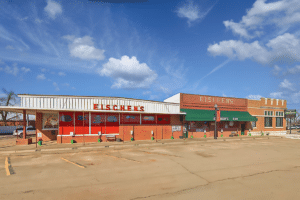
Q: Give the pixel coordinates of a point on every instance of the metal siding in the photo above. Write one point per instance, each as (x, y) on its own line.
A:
(48, 103)
(68, 104)
(88, 104)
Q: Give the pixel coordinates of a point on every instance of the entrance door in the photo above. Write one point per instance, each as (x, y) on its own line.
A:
(185, 131)
(242, 129)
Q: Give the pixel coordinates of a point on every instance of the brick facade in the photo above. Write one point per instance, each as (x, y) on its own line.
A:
(140, 132)
(257, 108)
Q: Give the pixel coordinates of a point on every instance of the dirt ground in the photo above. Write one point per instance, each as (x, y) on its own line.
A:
(258, 168)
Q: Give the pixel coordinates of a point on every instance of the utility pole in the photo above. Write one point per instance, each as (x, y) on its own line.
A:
(216, 119)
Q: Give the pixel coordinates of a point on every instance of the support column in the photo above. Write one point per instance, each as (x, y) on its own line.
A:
(24, 124)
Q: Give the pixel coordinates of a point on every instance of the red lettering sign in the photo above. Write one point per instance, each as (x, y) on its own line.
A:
(218, 116)
(115, 107)
(95, 106)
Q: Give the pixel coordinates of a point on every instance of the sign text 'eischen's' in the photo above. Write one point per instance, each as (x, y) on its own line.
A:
(216, 99)
(118, 107)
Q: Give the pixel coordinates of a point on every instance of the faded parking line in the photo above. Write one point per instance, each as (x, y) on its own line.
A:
(78, 165)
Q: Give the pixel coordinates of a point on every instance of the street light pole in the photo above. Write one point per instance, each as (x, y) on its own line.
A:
(216, 109)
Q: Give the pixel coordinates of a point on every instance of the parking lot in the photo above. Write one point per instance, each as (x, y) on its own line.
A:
(261, 168)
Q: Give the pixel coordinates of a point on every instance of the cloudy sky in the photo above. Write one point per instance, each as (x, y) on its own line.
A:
(152, 50)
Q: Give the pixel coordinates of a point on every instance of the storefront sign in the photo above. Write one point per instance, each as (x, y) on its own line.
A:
(50, 120)
(192, 101)
(235, 118)
(118, 107)
(222, 118)
(216, 100)
(176, 128)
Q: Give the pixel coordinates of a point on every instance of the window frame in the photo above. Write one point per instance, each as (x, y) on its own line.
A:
(281, 122)
(270, 121)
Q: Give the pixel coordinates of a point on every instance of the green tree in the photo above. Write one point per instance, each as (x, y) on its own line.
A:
(8, 100)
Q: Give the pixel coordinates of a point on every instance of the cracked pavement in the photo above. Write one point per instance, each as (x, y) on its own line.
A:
(250, 169)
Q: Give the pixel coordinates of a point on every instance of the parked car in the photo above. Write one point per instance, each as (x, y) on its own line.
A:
(30, 130)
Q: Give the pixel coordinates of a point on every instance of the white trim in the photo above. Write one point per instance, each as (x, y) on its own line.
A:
(268, 127)
(279, 127)
(87, 135)
(90, 123)
(50, 129)
(20, 109)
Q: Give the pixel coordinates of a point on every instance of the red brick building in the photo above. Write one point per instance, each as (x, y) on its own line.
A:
(270, 115)
(90, 118)
(238, 115)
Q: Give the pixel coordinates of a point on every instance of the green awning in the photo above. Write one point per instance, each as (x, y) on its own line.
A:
(209, 115)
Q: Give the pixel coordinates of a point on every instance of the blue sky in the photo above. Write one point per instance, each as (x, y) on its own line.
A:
(152, 50)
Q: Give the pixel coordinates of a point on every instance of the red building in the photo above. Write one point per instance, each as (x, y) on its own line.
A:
(90, 118)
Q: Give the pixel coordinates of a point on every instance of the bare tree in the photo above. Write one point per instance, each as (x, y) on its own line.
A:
(8, 100)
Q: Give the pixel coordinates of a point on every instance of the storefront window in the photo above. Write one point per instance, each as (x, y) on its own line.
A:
(268, 121)
(50, 121)
(198, 126)
(148, 119)
(130, 119)
(279, 122)
(163, 119)
(254, 124)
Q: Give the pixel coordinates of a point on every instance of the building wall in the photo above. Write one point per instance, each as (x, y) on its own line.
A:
(140, 132)
(17, 123)
(47, 135)
(257, 107)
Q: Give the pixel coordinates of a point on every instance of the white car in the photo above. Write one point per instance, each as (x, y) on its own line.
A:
(29, 131)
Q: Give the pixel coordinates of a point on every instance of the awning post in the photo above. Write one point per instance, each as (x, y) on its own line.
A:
(24, 124)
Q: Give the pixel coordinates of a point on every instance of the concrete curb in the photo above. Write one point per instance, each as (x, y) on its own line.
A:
(186, 141)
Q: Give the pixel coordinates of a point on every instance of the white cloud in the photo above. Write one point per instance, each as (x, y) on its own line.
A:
(276, 70)
(284, 47)
(83, 48)
(153, 97)
(279, 14)
(66, 84)
(128, 73)
(237, 28)
(10, 47)
(240, 50)
(25, 70)
(53, 9)
(73, 88)
(192, 12)
(38, 21)
(216, 68)
(61, 74)
(286, 85)
(254, 96)
(56, 86)
(295, 98)
(11, 70)
(294, 70)
(41, 77)
(146, 92)
(276, 95)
